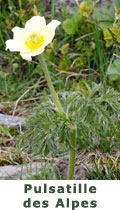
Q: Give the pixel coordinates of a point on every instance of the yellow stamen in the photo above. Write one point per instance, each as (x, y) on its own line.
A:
(34, 41)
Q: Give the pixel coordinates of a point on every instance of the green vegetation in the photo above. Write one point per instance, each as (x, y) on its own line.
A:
(83, 62)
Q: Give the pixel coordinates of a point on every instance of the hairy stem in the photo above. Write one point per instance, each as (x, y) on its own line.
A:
(58, 104)
(52, 90)
(72, 155)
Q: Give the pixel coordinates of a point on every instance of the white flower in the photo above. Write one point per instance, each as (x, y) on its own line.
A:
(32, 40)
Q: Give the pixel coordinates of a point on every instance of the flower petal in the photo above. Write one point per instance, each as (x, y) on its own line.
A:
(13, 45)
(50, 31)
(37, 52)
(27, 56)
(19, 33)
(17, 43)
(36, 24)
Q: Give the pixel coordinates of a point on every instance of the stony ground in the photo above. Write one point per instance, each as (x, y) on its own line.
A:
(17, 172)
(70, 4)
(8, 172)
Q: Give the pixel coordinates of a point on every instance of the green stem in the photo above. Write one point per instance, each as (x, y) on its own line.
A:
(72, 155)
(58, 104)
(53, 92)
(53, 9)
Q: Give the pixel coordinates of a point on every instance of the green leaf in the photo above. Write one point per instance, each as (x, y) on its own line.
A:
(85, 9)
(71, 25)
(117, 3)
(64, 49)
(114, 71)
(107, 37)
(4, 130)
(2, 54)
(10, 4)
(105, 16)
(4, 74)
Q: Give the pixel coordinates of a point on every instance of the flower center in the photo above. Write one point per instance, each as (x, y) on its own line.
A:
(34, 41)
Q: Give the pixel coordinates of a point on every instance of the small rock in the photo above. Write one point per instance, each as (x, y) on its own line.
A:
(11, 121)
(81, 172)
(60, 4)
(13, 172)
